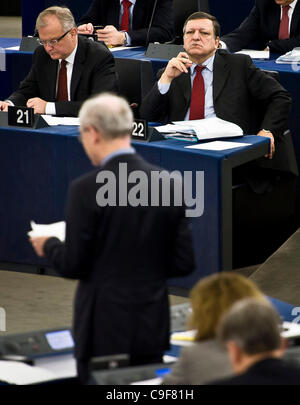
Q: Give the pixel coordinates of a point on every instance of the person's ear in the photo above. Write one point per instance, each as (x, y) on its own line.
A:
(235, 354)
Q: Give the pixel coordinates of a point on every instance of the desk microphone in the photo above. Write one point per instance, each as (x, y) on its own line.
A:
(150, 24)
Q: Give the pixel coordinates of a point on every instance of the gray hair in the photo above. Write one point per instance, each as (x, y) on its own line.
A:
(108, 113)
(254, 325)
(63, 14)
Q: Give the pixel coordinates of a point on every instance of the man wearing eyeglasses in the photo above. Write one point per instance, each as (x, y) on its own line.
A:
(66, 69)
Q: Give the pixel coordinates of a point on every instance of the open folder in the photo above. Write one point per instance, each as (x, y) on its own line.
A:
(209, 128)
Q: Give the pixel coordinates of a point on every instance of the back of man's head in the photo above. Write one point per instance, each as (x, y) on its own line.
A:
(108, 114)
(253, 325)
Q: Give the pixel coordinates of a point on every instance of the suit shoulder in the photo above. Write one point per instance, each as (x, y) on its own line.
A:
(233, 58)
(85, 181)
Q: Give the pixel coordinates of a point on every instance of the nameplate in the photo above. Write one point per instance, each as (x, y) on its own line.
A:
(140, 130)
(21, 117)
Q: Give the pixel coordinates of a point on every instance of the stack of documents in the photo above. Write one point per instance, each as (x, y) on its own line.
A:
(290, 57)
(57, 229)
(210, 128)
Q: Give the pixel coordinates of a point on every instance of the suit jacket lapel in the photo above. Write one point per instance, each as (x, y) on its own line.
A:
(221, 73)
(186, 90)
(78, 67)
(274, 18)
(295, 19)
(49, 85)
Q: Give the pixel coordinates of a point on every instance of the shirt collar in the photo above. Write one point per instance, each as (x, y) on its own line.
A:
(131, 1)
(70, 59)
(292, 5)
(119, 152)
(209, 64)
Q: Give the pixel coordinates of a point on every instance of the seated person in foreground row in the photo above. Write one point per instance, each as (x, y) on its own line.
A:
(207, 359)
(271, 24)
(66, 69)
(251, 331)
(203, 82)
(127, 22)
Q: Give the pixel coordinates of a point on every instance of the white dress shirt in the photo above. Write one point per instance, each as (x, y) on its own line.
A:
(50, 107)
(207, 73)
(128, 39)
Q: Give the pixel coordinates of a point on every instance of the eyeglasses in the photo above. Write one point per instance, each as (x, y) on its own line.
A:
(53, 42)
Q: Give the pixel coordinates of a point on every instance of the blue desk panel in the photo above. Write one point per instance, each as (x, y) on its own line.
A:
(37, 167)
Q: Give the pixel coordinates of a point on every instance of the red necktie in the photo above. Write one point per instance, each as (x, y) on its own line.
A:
(62, 88)
(284, 24)
(198, 96)
(125, 17)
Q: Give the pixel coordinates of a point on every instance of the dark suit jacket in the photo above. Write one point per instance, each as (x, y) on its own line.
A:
(238, 89)
(262, 26)
(107, 12)
(266, 372)
(93, 72)
(122, 257)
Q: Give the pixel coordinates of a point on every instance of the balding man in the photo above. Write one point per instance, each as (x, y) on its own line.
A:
(66, 69)
(122, 250)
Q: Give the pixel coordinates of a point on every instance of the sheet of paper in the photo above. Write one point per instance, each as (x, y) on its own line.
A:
(13, 48)
(290, 330)
(185, 338)
(17, 373)
(254, 54)
(152, 381)
(52, 121)
(57, 229)
(122, 48)
(290, 57)
(218, 145)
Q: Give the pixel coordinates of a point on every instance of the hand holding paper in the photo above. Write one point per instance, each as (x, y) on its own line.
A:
(40, 233)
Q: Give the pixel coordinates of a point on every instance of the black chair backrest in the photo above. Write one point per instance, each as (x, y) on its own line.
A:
(136, 79)
(182, 10)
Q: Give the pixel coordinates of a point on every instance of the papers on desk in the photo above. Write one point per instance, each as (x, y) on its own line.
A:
(122, 48)
(52, 121)
(210, 128)
(255, 54)
(13, 372)
(185, 338)
(57, 229)
(13, 48)
(290, 57)
(218, 145)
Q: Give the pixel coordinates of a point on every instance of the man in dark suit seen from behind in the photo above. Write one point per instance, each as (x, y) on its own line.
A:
(130, 22)
(271, 24)
(66, 69)
(228, 86)
(121, 252)
(251, 331)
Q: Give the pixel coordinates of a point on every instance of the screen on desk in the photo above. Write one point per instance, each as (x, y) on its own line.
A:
(60, 340)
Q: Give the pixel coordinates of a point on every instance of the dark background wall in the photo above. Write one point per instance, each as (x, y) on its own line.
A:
(10, 8)
(32, 8)
(230, 13)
